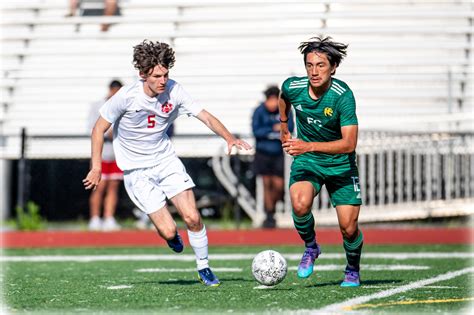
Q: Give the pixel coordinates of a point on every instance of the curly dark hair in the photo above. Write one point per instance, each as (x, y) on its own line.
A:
(149, 54)
(333, 50)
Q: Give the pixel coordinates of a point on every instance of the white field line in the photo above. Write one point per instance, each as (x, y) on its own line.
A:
(339, 307)
(264, 287)
(187, 257)
(119, 287)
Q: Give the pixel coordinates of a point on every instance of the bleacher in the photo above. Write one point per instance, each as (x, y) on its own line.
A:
(409, 62)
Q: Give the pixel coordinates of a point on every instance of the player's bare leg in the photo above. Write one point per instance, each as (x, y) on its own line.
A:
(302, 195)
(164, 223)
(166, 227)
(186, 206)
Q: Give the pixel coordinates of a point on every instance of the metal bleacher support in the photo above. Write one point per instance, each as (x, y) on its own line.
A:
(409, 62)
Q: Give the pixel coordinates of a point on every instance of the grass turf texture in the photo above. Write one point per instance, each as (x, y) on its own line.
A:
(70, 287)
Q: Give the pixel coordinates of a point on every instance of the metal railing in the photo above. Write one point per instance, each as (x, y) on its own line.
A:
(402, 177)
(406, 177)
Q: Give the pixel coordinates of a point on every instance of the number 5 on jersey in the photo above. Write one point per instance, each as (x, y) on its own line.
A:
(151, 121)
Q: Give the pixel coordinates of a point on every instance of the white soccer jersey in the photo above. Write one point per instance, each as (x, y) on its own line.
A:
(140, 122)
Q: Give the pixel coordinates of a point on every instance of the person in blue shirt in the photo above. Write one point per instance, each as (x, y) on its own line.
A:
(269, 160)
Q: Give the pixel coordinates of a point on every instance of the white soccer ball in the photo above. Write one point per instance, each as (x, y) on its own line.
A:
(269, 267)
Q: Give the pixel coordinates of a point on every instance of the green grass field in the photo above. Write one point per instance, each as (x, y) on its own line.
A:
(134, 283)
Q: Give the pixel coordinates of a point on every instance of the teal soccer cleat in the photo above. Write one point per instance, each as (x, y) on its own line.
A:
(176, 244)
(351, 278)
(207, 277)
(305, 268)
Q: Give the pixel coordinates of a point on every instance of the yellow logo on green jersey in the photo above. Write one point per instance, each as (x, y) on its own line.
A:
(328, 111)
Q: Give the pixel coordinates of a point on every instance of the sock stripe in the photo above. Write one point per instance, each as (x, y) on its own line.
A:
(305, 227)
(303, 219)
(356, 243)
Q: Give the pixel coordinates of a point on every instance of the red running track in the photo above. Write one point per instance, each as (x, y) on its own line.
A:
(130, 238)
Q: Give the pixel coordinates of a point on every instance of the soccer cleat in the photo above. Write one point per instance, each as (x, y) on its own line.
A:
(351, 278)
(207, 277)
(176, 244)
(305, 268)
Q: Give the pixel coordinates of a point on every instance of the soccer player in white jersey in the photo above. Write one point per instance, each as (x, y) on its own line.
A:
(140, 114)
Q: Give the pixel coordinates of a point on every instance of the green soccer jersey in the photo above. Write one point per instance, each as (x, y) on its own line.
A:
(321, 120)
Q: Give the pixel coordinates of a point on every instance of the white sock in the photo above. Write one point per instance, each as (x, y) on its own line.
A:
(198, 241)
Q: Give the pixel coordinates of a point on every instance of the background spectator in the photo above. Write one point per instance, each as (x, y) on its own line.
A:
(93, 8)
(269, 159)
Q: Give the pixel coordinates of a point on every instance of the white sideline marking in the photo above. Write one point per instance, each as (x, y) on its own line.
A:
(119, 287)
(338, 307)
(187, 257)
(440, 287)
(187, 270)
(365, 267)
(264, 287)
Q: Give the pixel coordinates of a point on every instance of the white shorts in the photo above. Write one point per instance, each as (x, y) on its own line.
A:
(149, 187)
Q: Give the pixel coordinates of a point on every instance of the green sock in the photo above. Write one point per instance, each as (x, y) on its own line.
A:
(305, 227)
(353, 251)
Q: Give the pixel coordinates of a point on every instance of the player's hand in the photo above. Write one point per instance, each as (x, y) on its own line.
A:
(295, 147)
(92, 179)
(239, 144)
(285, 134)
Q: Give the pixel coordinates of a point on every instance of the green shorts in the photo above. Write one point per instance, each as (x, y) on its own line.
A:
(341, 179)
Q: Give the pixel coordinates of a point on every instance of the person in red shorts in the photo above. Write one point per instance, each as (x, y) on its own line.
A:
(107, 191)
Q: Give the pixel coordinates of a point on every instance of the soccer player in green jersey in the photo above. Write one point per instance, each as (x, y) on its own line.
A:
(323, 152)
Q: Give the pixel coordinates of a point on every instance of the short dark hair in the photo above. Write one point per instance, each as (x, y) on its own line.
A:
(333, 50)
(115, 84)
(272, 90)
(148, 55)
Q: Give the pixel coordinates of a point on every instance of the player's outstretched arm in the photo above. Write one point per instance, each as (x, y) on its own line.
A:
(97, 138)
(219, 129)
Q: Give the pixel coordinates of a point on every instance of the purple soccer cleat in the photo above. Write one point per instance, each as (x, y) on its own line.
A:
(351, 278)
(305, 268)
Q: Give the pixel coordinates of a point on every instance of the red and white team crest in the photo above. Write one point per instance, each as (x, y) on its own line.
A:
(166, 107)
